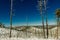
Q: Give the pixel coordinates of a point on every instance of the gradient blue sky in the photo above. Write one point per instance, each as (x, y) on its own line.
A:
(24, 8)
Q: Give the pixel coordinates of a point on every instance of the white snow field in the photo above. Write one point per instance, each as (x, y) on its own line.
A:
(25, 39)
(22, 35)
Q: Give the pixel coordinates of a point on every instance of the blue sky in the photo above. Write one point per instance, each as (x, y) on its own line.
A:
(24, 8)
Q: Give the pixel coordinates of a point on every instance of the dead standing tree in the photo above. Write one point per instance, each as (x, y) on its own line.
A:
(45, 6)
(11, 16)
(42, 16)
(42, 5)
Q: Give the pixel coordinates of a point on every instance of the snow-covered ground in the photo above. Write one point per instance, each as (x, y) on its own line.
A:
(24, 35)
(25, 39)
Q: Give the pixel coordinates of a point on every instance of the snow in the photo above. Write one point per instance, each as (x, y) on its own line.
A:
(23, 35)
(25, 39)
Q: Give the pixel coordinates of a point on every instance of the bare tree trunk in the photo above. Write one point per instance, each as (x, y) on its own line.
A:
(42, 17)
(47, 25)
(11, 17)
